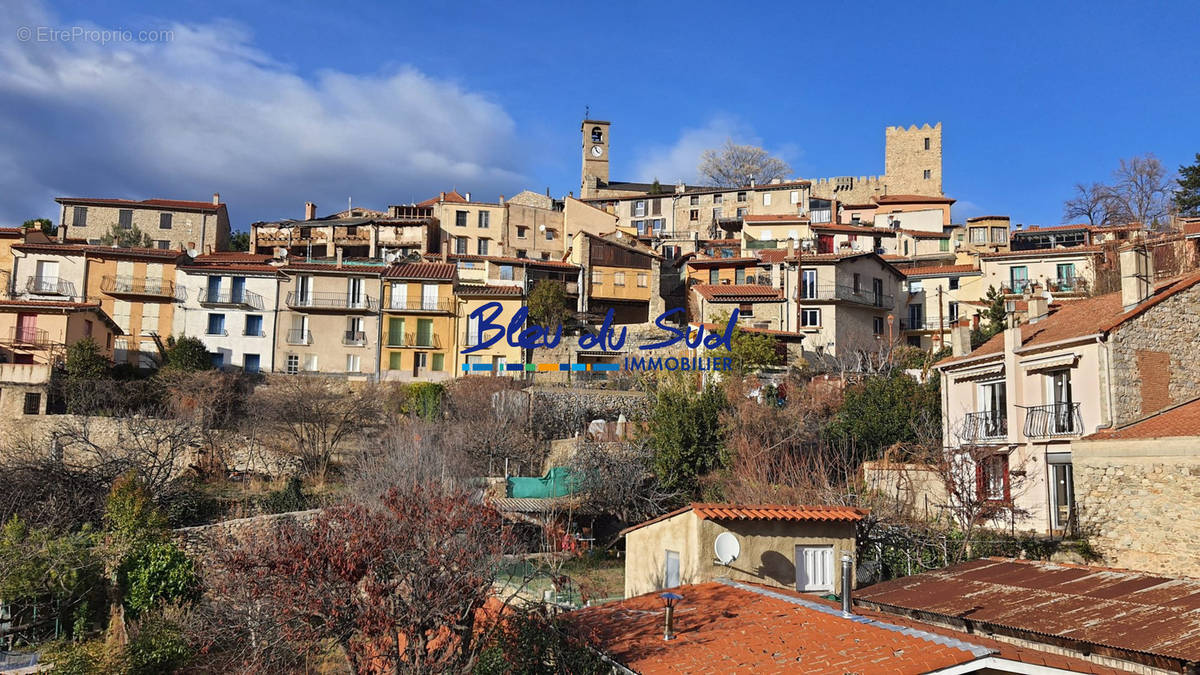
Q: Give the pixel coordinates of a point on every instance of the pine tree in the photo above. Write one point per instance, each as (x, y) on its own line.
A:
(1187, 197)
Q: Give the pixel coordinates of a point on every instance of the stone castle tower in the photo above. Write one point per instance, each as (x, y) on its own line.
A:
(913, 160)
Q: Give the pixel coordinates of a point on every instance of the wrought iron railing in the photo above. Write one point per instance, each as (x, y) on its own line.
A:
(1052, 421)
(862, 296)
(231, 298)
(26, 336)
(420, 305)
(354, 338)
(49, 286)
(987, 425)
(122, 285)
(296, 336)
(328, 300)
(410, 340)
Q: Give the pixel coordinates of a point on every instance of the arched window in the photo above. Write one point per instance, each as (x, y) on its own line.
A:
(597, 135)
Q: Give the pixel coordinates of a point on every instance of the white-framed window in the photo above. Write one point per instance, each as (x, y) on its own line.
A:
(485, 218)
(718, 198)
(310, 363)
(766, 199)
(597, 276)
(795, 196)
(952, 311)
(639, 207)
(643, 280)
(429, 296)
(671, 569)
(293, 364)
(353, 363)
(993, 477)
(618, 278)
(810, 318)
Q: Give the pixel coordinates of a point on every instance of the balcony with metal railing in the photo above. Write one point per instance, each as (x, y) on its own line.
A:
(137, 286)
(844, 293)
(420, 305)
(49, 286)
(985, 426)
(927, 324)
(410, 340)
(297, 336)
(354, 338)
(230, 298)
(1057, 420)
(27, 337)
(324, 301)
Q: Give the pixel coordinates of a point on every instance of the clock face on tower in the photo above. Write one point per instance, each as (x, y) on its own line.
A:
(597, 151)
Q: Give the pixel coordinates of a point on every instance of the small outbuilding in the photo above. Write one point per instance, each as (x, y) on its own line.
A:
(797, 547)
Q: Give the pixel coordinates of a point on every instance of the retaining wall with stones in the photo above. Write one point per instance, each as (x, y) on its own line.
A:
(199, 541)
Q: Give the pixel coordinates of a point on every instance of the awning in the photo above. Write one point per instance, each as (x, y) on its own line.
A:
(1048, 362)
(979, 372)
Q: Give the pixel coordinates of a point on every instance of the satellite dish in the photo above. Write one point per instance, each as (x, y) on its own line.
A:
(727, 548)
(541, 228)
(391, 257)
(283, 254)
(193, 252)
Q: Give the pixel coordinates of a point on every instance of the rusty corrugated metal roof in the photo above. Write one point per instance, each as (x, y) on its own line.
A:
(1121, 610)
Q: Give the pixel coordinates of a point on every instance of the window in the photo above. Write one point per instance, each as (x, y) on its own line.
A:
(87, 327)
(351, 230)
(550, 234)
(481, 246)
(657, 226)
(741, 212)
(953, 283)
(999, 235)
(877, 325)
(79, 216)
(810, 318)
(125, 219)
(254, 325)
(746, 309)
(395, 336)
(928, 174)
(915, 286)
(718, 198)
(943, 245)
(1065, 276)
(460, 245)
(597, 276)
(671, 570)
(916, 316)
(522, 253)
(485, 218)
(217, 359)
(714, 276)
(164, 221)
(639, 207)
(396, 361)
(926, 142)
(597, 135)
(694, 214)
(694, 200)
(33, 404)
(979, 235)
(642, 280)
(439, 362)
(640, 226)
(877, 292)
(766, 199)
(808, 284)
(522, 232)
(250, 363)
(952, 311)
(293, 364)
(739, 275)
(795, 196)
(741, 196)
(992, 477)
(506, 272)
(717, 213)
(163, 244)
(460, 218)
(618, 278)
(353, 363)
(429, 296)
(1018, 278)
(814, 568)
(857, 283)
(216, 324)
(420, 360)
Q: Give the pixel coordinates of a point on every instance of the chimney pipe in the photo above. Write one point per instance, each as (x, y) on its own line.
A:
(216, 198)
(310, 211)
(62, 233)
(669, 615)
(468, 196)
(339, 257)
(847, 584)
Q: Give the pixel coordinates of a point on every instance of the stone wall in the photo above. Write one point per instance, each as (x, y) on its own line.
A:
(1140, 348)
(1140, 502)
(561, 413)
(199, 541)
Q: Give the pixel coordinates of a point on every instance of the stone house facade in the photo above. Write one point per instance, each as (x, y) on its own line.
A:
(170, 223)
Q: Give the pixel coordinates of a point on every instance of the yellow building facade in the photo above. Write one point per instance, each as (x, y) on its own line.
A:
(420, 322)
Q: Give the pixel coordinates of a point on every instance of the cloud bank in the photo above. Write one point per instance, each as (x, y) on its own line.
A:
(208, 112)
(679, 161)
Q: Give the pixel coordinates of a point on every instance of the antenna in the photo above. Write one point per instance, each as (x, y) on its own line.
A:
(727, 548)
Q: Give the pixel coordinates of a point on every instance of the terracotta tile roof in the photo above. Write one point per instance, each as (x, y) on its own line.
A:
(939, 271)
(1125, 614)
(11, 231)
(922, 234)
(1191, 227)
(488, 289)
(231, 261)
(721, 628)
(137, 252)
(1176, 421)
(739, 292)
(532, 262)
(842, 514)
(1080, 318)
(349, 266)
(145, 203)
(720, 241)
(1042, 252)
(772, 255)
(450, 197)
(777, 218)
(427, 270)
(61, 308)
(912, 199)
(1052, 228)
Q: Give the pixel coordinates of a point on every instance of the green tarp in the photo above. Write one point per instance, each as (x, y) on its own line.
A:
(558, 482)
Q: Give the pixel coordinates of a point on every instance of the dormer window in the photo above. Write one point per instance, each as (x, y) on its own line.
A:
(597, 135)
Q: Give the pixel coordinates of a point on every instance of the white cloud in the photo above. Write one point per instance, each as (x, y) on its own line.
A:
(679, 161)
(207, 111)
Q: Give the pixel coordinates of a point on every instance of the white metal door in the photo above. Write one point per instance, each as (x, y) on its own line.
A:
(671, 573)
(400, 295)
(814, 568)
(429, 293)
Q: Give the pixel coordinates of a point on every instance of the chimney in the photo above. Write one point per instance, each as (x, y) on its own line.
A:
(501, 199)
(216, 198)
(791, 248)
(752, 181)
(467, 196)
(339, 257)
(1039, 306)
(960, 339)
(669, 616)
(1012, 334)
(445, 248)
(847, 584)
(1137, 275)
(62, 233)
(310, 211)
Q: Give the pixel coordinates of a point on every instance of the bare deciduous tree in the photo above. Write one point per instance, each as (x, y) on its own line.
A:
(734, 165)
(1091, 203)
(1142, 192)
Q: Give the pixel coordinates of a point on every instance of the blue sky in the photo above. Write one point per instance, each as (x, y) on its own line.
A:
(275, 103)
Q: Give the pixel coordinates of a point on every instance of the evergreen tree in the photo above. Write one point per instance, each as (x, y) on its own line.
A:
(1187, 197)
